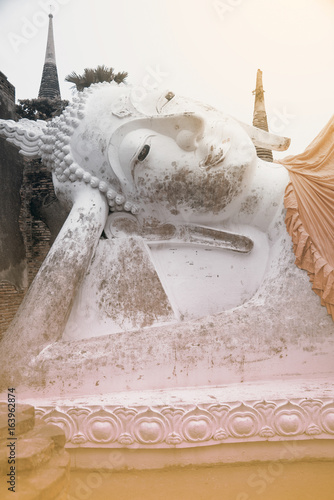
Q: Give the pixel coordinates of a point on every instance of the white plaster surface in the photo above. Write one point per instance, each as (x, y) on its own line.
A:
(280, 391)
(240, 318)
(202, 281)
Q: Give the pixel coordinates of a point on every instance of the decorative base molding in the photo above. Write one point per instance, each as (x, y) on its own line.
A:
(185, 425)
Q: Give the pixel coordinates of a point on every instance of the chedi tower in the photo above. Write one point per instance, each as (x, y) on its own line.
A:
(49, 84)
(260, 116)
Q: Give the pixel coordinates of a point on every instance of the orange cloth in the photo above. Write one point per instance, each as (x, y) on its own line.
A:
(309, 200)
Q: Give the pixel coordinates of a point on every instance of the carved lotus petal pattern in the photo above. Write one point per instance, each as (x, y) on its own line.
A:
(149, 427)
(79, 439)
(290, 420)
(327, 418)
(313, 430)
(266, 410)
(265, 406)
(173, 416)
(102, 427)
(311, 404)
(219, 410)
(125, 439)
(267, 432)
(62, 420)
(220, 435)
(197, 425)
(172, 412)
(102, 430)
(149, 431)
(243, 421)
(174, 438)
(78, 415)
(191, 426)
(313, 409)
(40, 412)
(125, 416)
(78, 412)
(125, 413)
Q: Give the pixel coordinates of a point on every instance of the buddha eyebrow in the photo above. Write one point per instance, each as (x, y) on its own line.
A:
(169, 96)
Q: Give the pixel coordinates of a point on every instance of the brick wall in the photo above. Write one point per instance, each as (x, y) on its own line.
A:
(25, 237)
(7, 98)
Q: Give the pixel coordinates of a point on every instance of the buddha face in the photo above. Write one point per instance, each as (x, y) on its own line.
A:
(190, 165)
(165, 157)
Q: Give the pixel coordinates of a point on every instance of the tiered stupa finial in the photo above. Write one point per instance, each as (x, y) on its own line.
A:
(49, 83)
(260, 116)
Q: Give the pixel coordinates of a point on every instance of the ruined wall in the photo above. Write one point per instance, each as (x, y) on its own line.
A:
(13, 264)
(7, 98)
(30, 217)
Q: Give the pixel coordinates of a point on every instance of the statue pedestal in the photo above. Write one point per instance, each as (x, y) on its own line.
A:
(233, 423)
(262, 371)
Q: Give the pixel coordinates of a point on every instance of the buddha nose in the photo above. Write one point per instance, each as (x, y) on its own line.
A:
(187, 140)
(188, 129)
(202, 135)
(214, 145)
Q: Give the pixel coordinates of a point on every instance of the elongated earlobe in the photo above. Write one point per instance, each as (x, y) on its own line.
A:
(265, 139)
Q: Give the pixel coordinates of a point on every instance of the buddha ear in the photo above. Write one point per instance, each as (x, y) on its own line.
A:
(264, 139)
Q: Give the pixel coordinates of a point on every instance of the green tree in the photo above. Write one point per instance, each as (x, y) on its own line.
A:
(42, 108)
(97, 75)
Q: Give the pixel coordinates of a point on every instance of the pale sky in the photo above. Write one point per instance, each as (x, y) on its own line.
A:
(209, 50)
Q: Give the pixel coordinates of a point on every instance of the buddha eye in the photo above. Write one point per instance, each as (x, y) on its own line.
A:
(143, 153)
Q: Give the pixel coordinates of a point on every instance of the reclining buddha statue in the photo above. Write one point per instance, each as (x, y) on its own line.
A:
(174, 218)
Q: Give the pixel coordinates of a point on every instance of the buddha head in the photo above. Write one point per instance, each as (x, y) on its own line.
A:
(161, 156)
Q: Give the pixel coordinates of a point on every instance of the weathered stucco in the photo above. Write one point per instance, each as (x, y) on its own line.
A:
(120, 296)
(239, 345)
(126, 328)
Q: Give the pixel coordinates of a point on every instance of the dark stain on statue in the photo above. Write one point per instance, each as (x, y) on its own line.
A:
(249, 205)
(200, 190)
(133, 295)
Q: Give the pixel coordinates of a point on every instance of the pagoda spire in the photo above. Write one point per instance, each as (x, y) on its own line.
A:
(260, 116)
(49, 84)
